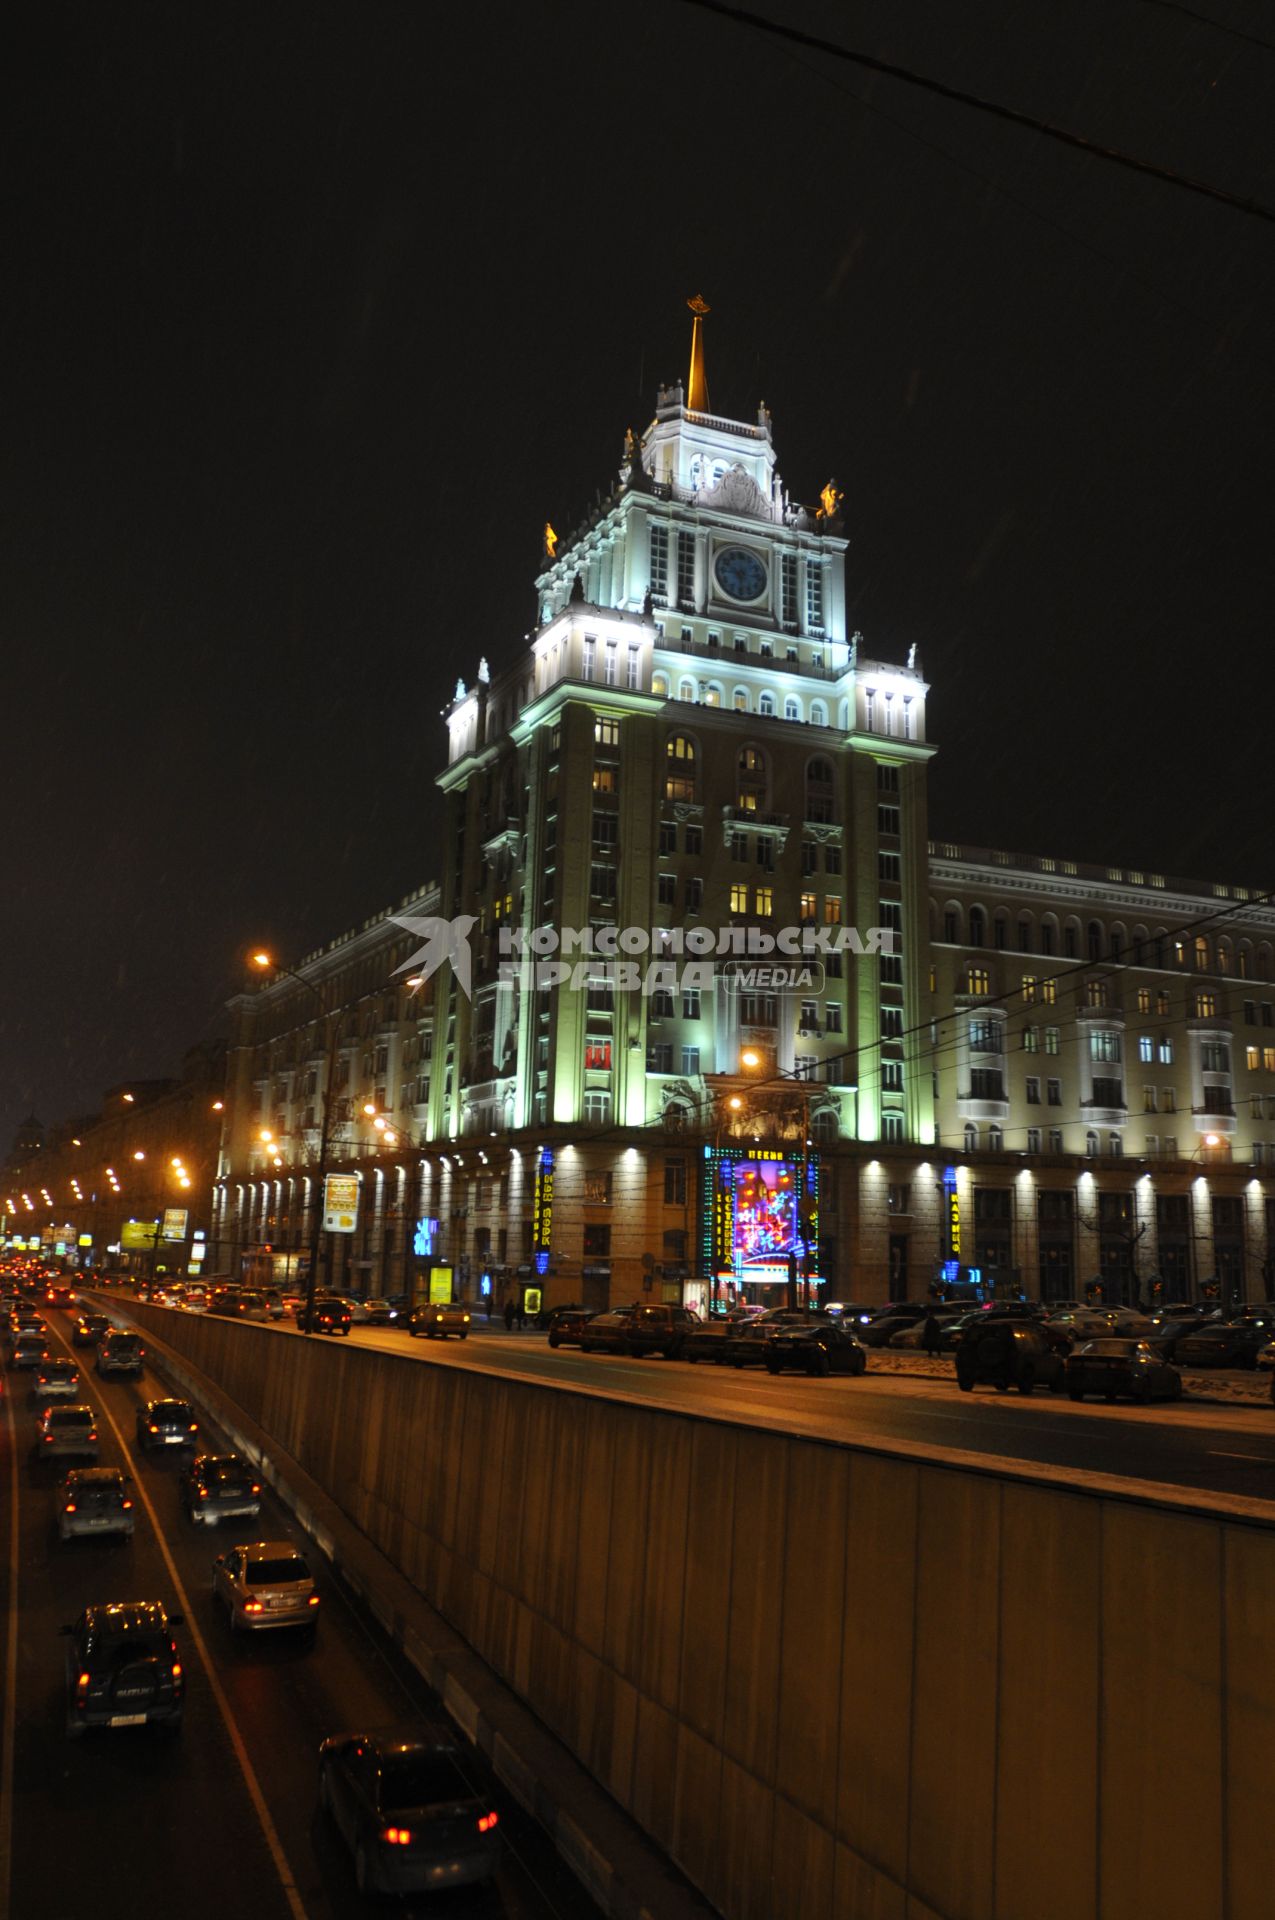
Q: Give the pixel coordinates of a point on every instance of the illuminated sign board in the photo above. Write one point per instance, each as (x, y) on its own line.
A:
(138, 1234)
(423, 1238)
(84, 1240)
(952, 1210)
(542, 1209)
(440, 1285)
(340, 1202)
(175, 1222)
(761, 1212)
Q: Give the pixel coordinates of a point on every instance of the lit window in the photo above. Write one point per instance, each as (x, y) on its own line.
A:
(1144, 999)
(739, 898)
(831, 910)
(765, 897)
(978, 980)
(1049, 992)
(1029, 988)
(1205, 1006)
(1146, 1047)
(1164, 1052)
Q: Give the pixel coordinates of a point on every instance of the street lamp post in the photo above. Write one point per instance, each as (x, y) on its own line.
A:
(267, 964)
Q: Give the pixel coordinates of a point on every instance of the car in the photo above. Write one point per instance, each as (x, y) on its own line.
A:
(26, 1320)
(710, 1341)
(1228, 1343)
(403, 1802)
(437, 1318)
(27, 1349)
(1005, 1353)
(223, 1298)
(194, 1299)
(56, 1380)
(358, 1309)
(89, 1328)
(746, 1343)
(123, 1668)
(856, 1310)
(219, 1486)
(273, 1300)
(66, 1433)
(660, 1329)
(379, 1313)
(1167, 1333)
(888, 1320)
(93, 1500)
(166, 1423)
(607, 1332)
(911, 1339)
(56, 1294)
(330, 1315)
(120, 1352)
(817, 1348)
(1113, 1367)
(567, 1325)
(265, 1586)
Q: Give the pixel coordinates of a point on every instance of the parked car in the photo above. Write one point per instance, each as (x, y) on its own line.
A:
(404, 1806)
(93, 1500)
(1227, 1343)
(331, 1315)
(567, 1325)
(120, 1352)
(1008, 1353)
(66, 1433)
(856, 1310)
(218, 1486)
(660, 1329)
(818, 1348)
(607, 1332)
(265, 1586)
(437, 1318)
(379, 1313)
(1167, 1333)
(56, 1380)
(88, 1329)
(887, 1321)
(123, 1669)
(711, 1341)
(746, 1345)
(911, 1339)
(166, 1423)
(1113, 1367)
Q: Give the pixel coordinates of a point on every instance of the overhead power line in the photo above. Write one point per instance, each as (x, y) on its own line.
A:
(797, 36)
(1206, 20)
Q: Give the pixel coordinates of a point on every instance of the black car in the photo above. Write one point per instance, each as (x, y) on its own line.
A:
(1114, 1367)
(1230, 1343)
(710, 1342)
(567, 1325)
(1171, 1329)
(884, 1325)
(607, 1332)
(747, 1342)
(123, 1668)
(330, 1315)
(218, 1486)
(166, 1423)
(818, 1348)
(120, 1352)
(406, 1808)
(661, 1329)
(1005, 1353)
(88, 1329)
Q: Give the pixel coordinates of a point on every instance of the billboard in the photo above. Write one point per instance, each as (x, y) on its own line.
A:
(138, 1234)
(761, 1210)
(175, 1219)
(340, 1202)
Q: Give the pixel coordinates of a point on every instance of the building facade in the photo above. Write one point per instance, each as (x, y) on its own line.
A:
(725, 1011)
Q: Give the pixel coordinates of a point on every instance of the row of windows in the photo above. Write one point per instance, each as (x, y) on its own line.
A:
(1201, 952)
(770, 706)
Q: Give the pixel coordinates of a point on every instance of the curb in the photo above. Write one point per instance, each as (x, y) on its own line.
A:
(618, 1866)
(1189, 1398)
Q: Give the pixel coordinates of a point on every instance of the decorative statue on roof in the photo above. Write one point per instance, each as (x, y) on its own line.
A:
(830, 502)
(855, 638)
(484, 671)
(551, 543)
(912, 655)
(460, 690)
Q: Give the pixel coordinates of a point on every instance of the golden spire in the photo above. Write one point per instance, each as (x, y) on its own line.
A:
(697, 385)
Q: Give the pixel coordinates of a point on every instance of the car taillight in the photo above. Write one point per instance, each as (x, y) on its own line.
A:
(255, 1488)
(194, 1426)
(154, 1428)
(126, 1506)
(487, 1822)
(92, 1433)
(177, 1669)
(203, 1493)
(83, 1684)
(252, 1606)
(397, 1836)
(69, 1507)
(314, 1600)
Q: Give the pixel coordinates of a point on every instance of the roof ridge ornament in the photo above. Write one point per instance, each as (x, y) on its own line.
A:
(697, 385)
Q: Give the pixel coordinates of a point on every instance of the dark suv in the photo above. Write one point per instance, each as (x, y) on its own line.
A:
(166, 1423)
(1005, 1353)
(640, 1330)
(120, 1352)
(122, 1668)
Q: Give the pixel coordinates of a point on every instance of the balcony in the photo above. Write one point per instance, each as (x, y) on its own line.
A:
(1217, 1114)
(1096, 1115)
(977, 1107)
(744, 817)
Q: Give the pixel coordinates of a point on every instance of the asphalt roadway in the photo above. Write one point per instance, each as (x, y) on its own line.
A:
(222, 1818)
(1200, 1450)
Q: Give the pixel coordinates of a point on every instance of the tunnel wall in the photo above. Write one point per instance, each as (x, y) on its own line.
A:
(827, 1681)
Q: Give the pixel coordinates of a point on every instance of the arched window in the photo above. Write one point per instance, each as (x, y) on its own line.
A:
(1000, 932)
(818, 714)
(1201, 953)
(659, 685)
(971, 1137)
(713, 697)
(995, 1139)
(1026, 934)
(824, 1125)
(766, 704)
(1091, 1144)
(1115, 943)
(1115, 1145)
(1094, 939)
(741, 699)
(978, 927)
(978, 981)
(680, 767)
(792, 708)
(1224, 955)
(686, 690)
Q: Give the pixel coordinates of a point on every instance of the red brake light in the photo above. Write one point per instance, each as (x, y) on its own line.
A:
(177, 1669)
(154, 1428)
(203, 1493)
(397, 1836)
(252, 1606)
(93, 1433)
(194, 1426)
(255, 1487)
(69, 1507)
(487, 1822)
(126, 1504)
(83, 1684)
(314, 1599)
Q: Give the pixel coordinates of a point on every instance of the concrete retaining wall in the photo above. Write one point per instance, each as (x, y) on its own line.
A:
(827, 1681)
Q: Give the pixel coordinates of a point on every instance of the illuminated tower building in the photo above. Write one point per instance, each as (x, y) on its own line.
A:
(692, 741)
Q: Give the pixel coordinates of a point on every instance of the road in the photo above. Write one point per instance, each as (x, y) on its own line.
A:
(1198, 1449)
(222, 1818)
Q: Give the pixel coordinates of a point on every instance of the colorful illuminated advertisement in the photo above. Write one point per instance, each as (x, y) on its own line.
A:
(761, 1211)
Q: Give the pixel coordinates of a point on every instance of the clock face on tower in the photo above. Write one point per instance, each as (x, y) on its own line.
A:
(740, 574)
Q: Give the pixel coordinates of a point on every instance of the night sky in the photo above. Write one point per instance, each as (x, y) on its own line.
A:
(313, 315)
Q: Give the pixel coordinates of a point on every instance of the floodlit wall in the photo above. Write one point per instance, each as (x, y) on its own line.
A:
(829, 1682)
